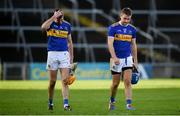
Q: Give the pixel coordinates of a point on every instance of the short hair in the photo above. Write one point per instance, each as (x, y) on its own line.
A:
(126, 11)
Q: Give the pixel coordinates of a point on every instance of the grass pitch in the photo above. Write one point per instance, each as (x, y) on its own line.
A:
(150, 97)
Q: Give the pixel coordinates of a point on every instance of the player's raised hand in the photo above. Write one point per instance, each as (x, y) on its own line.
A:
(57, 14)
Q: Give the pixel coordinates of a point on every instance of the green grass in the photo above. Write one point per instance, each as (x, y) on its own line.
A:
(157, 97)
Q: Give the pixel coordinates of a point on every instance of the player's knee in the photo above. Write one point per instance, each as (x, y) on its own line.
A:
(52, 83)
(65, 81)
(127, 82)
(115, 85)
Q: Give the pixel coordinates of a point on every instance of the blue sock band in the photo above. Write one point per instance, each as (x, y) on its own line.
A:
(112, 99)
(128, 101)
(65, 101)
(50, 101)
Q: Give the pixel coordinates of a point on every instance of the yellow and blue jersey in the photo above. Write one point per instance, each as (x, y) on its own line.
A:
(58, 36)
(123, 36)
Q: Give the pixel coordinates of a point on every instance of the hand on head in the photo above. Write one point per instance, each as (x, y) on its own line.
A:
(58, 14)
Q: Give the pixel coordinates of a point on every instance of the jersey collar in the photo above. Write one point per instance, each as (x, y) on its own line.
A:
(122, 24)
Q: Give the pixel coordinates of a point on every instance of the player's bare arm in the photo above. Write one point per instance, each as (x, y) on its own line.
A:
(70, 44)
(111, 50)
(47, 23)
(134, 52)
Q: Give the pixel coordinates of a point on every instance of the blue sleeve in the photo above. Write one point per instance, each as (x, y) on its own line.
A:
(134, 33)
(52, 24)
(111, 31)
(69, 29)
